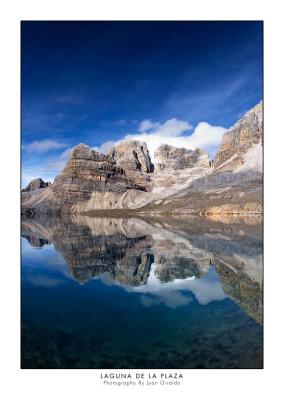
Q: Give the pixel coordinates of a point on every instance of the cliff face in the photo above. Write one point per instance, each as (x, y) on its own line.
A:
(132, 155)
(173, 158)
(88, 170)
(134, 158)
(247, 132)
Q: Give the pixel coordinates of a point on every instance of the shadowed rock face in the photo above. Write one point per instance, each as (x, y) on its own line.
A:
(125, 249)
(241, 137)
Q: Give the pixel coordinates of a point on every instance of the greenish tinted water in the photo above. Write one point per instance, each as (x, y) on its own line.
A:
(130, 293)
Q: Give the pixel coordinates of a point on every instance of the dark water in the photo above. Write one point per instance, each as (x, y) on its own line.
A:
(135, 293)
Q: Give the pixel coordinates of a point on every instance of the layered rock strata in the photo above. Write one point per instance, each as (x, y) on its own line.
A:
(134, 158)
(240, 138)
(172, 158)
(86, 172)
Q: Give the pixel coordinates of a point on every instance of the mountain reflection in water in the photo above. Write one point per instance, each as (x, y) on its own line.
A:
(160, 269)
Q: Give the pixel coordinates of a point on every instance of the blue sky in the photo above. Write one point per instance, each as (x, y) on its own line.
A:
(97, 82)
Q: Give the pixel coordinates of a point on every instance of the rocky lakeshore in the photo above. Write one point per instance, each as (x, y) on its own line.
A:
(176, 181)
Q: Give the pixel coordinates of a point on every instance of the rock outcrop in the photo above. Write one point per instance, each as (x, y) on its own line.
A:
(36, 184)
(247, 132)
(173, 158)
(132, 156)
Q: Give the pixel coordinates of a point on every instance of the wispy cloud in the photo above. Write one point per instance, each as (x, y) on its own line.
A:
(222, 97)
(43, 146)
(46, 168)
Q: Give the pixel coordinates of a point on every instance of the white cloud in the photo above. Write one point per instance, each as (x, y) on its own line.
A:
(43, 146)
(105, 147)
(172, 294)
(147, 124)
(174, 132)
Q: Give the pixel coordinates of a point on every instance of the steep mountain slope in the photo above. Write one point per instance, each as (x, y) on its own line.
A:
(236, 142)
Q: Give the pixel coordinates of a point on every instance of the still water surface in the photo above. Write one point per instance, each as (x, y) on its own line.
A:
(141, 293)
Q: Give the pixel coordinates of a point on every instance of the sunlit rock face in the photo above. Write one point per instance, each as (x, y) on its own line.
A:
(176, 167)
(132, 155)
(162, 256)
(173, 158)
(247, 132)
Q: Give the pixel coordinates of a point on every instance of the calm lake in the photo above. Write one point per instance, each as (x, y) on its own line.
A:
(141, 292)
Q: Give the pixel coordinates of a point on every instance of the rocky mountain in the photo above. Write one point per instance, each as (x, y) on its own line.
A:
(86, 172)
(36, 184)
(178, 181)
(234, 185)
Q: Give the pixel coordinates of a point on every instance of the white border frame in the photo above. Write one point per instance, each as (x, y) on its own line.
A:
(74, 384)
